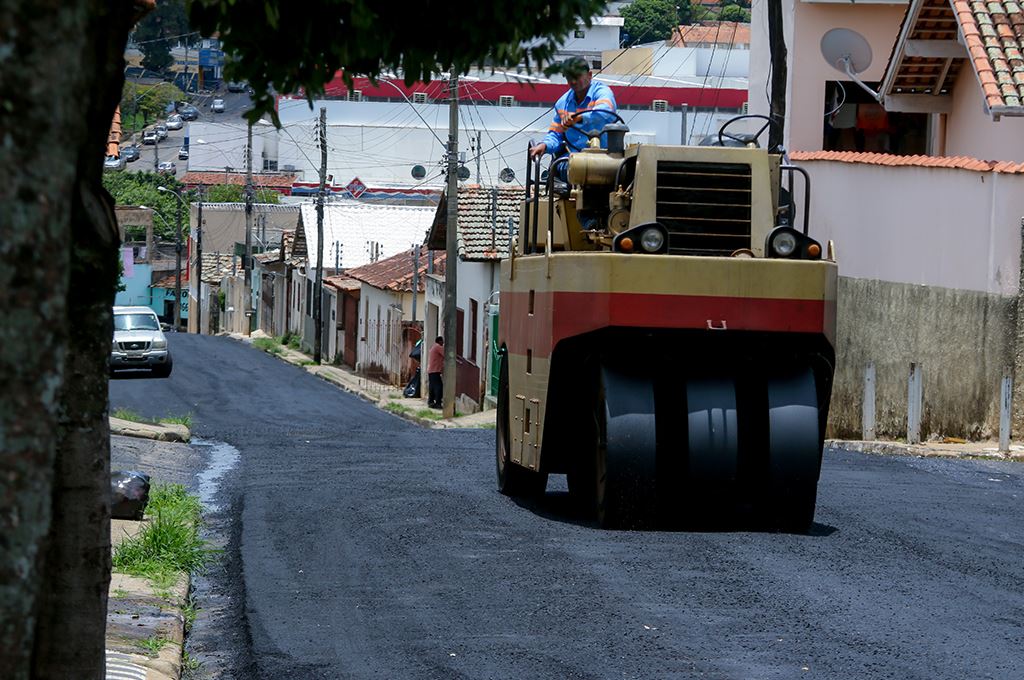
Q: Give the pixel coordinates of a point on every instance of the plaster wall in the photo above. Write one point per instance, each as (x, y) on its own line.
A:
(939, 227)
(804, 25)
(970, 131)
(962, 339)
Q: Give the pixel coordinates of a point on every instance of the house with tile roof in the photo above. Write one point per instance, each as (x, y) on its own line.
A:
(918, 183)
(378, 311)
(488, 222)
(354, 234)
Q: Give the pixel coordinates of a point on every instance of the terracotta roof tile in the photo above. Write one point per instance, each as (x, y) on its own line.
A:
(484, 213)
(395, 272)
(261, 180)
(953, 162)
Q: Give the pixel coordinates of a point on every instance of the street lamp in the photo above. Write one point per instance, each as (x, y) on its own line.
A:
(177, 256)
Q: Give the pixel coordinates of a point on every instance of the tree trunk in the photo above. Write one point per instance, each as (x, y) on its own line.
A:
(58, 270)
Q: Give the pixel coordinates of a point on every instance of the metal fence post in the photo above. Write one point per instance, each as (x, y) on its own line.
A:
(868, 409)
(1005, 409)
(914, 404)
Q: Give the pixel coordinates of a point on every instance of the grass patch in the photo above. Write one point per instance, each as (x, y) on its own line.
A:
(430, 414)
(395, 407)
(154, 644)
(188, 612)
(185, 420)
(169, 543)
(128, 414)
(267, 345)
(290, 340)
(307, 362)
(487, 426)
(189, 665)
(120, 593)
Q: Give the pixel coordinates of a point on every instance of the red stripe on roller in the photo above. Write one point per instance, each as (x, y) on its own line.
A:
(566, 314)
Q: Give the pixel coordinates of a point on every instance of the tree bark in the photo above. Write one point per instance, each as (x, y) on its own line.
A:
(59, 85)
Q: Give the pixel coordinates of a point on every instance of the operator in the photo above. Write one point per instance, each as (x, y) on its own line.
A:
(585, 94)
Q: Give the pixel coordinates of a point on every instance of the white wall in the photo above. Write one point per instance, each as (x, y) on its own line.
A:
(374, 305)
(889, 224)
(380, 142)
(476, 280)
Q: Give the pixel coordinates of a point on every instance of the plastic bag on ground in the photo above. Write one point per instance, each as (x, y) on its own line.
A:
(129, 494)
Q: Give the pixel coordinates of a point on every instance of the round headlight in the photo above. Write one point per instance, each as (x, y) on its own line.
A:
(784, 243)
(652, 240)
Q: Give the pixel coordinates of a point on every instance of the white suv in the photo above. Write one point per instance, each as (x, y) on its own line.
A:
(139, 342)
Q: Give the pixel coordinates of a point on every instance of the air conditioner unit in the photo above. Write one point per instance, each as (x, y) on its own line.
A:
(355, 95)
(660, 105)
(745, 109)
(506, 100)
(419, 97)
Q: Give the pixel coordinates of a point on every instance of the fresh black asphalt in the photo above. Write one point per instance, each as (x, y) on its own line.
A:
(368, 547)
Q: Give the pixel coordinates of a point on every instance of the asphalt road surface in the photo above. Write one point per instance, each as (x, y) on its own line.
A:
(371, 548)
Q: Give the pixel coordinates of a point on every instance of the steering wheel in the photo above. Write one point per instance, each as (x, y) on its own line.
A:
(746, 139)
(595, 133)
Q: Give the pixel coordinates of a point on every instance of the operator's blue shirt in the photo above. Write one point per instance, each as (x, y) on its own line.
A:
(599, 96)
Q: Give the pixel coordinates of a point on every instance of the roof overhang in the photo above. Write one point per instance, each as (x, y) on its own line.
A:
(925, 60)
(936, 38)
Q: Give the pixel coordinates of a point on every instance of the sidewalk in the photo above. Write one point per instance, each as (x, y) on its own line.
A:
(145, 624)
(386, 397)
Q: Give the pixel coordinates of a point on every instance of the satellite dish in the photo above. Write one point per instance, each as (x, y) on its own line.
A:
(843, 47)
(418, 172)
(507, 175)
(463, 172)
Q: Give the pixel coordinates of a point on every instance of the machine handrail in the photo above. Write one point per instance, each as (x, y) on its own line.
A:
(807, 191)
(536, 202)
(551, 193)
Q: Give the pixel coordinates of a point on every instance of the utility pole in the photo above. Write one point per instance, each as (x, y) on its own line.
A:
(199, 265)
(777, 49)
(177, 268)
(156, 153)
(337, 257)
(318, 302)
(415, 278)
(248, 229)
(451, 247)
(478, 147)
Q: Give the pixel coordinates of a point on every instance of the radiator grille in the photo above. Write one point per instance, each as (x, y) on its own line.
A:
(134, 345)
(704, 206)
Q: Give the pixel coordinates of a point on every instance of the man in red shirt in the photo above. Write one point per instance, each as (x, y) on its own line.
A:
(435, 367)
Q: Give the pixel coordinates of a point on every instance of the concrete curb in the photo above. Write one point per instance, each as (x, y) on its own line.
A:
(963, 450)
(168, 432)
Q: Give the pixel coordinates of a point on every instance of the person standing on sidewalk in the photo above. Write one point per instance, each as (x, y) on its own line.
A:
(435, 368)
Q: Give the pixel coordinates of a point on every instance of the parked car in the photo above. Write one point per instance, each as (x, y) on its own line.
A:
(139, 342)
(130, 153)
(167, 168)
(174, 122)
(217, 106)
(150, 137)
(188, 112)
(114, 163)
(183, 153)
(236, 87)
(161, 131)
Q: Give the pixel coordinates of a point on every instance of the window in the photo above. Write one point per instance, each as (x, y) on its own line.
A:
(472, 329)
(579, 33)
(460, 332)
(595, 64)
(366, 320)
(269, 165)
(355, 95)
(660, 105)
(309, 298)
(856, 122)
(419, 97)
(506, 100)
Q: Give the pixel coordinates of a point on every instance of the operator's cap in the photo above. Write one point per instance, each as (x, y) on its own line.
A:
(574, 67)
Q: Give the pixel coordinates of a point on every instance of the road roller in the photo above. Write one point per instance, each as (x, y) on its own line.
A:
(667, 334)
